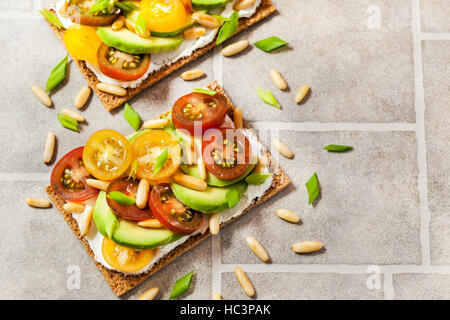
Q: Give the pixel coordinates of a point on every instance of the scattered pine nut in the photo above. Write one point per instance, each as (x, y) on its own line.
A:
(155, 123)
(194, 33)
(38, 202)
(73, 114)
(111, 89)
(283, 149)
(150, 223)
(43, 97)
(49, 147)
(74, 207)
(190, 181)
(214, 223)
(216, 296)
(257, 248)
(261, 164)
(301, 93)
(235, 48)
(244, 282)
(307, 246)
(206, 20)
(142, 194)
(86, 219)
(192, 74)
(119, 23)
(150, 294)
(243, 4)
(82, 97)
(98, 184)
(287, 215)
(278, 79)
(237, 117)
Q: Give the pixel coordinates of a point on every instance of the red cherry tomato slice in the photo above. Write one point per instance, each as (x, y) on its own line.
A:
(69, 176)
(78, 12)
(226, 153)
(131, 212)
(120, 65)
(174, 215)
(188, 5)
(202, 108)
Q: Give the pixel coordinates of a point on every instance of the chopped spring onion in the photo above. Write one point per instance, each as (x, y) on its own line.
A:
(132, 117)
(206, 91)
(270, 44)
(228, 28)
(313, 188)
(52, 18)
(181, 286)
(337, 148)
(268, 98)
(161, 160)
(68, 122)
(57, 75)
(257, 178)
(121, 198)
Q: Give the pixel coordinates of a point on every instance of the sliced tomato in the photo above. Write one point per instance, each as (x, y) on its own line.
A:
(174, 215)
(164, 15)
(226, 153)
(147, 148)
(188, 5)
(195, 108)
(69, 176)
(120, 65)
(125, 259)
(78, 12)
(107, 154)
(82, 42)
(131, 212)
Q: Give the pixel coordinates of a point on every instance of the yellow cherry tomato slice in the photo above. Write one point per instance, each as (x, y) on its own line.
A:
(107, 154)
(125, 259)
(82, 42)
(164, 15)
(147, 147)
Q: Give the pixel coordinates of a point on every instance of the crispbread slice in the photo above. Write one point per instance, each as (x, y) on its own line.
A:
(121, 283)
(112, 102)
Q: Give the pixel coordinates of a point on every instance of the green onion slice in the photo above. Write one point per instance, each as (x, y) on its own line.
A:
(126, 6)
(181, 286)
(141, 24)
(206, 91)
(232, 198)
(228, 28)
(268, 98)
(52, 18)
(337, 148)
(67, 122)
(270, 44)
(313, 188)
(102, 5)
(161, 160)
(257, 178)
(133, 170)
(57, 75)
(132, 117)
(121, 198)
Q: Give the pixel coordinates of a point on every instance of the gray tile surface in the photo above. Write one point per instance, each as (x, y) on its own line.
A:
(436, 72)
(16, 5)
(300, 286)
(344, 62)
(435, 15)
(422, 286)
(372, 188)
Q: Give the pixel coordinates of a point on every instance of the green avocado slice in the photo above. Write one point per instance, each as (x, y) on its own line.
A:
(129, 42)
(208, 4)
(104, 218)
(133, 15)
(211, 200)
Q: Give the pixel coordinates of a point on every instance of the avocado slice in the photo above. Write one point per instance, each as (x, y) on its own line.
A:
(129, 42)
(211, 200)
(212, 180)
(208, 4)
(104, 218)
(133, 15)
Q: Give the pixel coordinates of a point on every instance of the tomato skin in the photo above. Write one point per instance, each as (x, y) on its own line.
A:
(116, 70)
(188, 5)
(164, 15)
(214, 142)
(82, 42)
(162, 211)
(71, 161)
(111, 251)
(131, 212)
(199, 107)
(79, 14)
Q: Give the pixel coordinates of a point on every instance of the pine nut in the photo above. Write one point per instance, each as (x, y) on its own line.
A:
(38, 202)
(287, 215)
(262, 163)
(86, 219)
(192, 74)
(98, 184)
(243, 4)
(200, 162)
(118, 23)
(283, 149)
(257, 248)
(49, 147)
(206, 20)
(82, 97)
(142, 194)
(278, 79)
(244, 282)
(237, 117)
(43, 97)
(190, 181)
(155, 123)
(214, 223)
(111, 89)
(235, 48)
(216, 296)
(73, 114)
(73, 207)
(307, 246)
(194, 33)
(150, 223)
(150, 294)
(301, 93)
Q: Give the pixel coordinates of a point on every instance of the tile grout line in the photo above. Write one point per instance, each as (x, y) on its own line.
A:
(420, 136)
(337, 126)
(443, 36)
(32, 176)
(388, 286)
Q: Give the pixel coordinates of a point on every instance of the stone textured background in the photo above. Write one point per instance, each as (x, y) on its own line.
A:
(385, 205)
